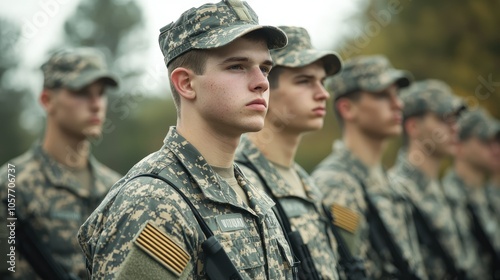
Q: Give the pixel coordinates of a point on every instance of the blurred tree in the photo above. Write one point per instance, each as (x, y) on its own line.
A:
(13, 96)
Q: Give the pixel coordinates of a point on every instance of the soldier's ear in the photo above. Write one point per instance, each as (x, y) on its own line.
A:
(182, 79)
(46, 99)
(345, 108)
(411, 127)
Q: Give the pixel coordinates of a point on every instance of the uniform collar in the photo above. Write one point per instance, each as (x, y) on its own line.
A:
(249, 153)
(349, 161)
(209, 183)
(409, 171)
(61, 176)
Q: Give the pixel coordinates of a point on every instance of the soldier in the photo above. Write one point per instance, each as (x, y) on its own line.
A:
(267, 156)
(368, 109)
(429, 133)
(58, 183)
(218, 60)
(464, 185)
(493, 188)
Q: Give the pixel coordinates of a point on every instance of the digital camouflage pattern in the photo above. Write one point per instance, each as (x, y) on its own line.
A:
(52, 200)
(214, 25)
(338, 178)
(458, 193)
(299, 52)
(430, 96)
(369, 73)
(477, 123)
(76, 68)
(428, 196)
(259, 249)
(305, 213)
(493, 195)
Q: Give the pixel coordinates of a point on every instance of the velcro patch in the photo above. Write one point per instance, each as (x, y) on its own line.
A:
(163, 249)
(345, 218)
(230, 222)
(239, 9)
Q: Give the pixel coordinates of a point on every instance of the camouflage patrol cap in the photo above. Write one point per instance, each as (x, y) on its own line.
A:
(299, 52)
(212, 26)
(76, 68)
(477, 123)
(430, 96)
(368, 73)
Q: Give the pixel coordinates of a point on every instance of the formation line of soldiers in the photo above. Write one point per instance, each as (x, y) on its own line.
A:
(224, 198)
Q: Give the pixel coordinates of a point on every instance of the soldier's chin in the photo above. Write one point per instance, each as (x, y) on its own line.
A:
(93, 133)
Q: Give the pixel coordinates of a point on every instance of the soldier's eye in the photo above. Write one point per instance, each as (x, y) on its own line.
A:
(80, 93)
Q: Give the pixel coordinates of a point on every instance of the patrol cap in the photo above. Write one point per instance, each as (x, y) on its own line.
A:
(369, 73)
(430, 96)
(299, 52)
(76, 68)
(212, 26)
(477, 123)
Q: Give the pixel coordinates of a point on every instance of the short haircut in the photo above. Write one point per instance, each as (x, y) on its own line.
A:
(196, 61)
(274, 76)
(354, 95)
(404, 135)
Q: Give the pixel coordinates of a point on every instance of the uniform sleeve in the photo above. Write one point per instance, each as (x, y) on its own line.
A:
(340, 188)
(115, 252)
(140, 265)
(251, 176)
(4, 230)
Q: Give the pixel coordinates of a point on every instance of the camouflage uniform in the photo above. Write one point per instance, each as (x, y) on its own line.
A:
(64, 206)
(425, 193)
(475, 123)
(493, 195)
(339, 176)
(257, 248)
(457, 194)
(250, 234)
(305, 213)
(66, 201)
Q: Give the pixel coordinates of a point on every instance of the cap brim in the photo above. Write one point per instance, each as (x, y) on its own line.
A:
(219, 37)
(91, 76)
(331, 60)
(399, 77)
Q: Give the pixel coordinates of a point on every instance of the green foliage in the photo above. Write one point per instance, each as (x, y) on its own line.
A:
(13, 97)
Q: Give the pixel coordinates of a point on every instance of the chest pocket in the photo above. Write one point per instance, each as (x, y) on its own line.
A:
(62, 226)
(246, 252)
(279, 254)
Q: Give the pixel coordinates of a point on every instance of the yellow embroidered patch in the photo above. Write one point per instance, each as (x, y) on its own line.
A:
(163, 249)
(345, 218)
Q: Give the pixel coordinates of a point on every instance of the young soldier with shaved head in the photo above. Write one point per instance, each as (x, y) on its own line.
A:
(58, 183)
(352, 179)
(297, 106)
(429, 132)
(193, 214)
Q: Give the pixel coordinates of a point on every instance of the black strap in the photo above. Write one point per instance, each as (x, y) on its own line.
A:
(485, 242)
(379, 232)
(428, 236)
(36, 253)
(300, 252)
(203, 225)
(217, 262)
(354, 268)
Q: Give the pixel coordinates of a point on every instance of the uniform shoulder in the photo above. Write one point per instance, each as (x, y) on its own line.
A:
(18, 166)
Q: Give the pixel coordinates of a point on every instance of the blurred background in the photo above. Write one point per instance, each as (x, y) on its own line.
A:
(456, 41)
